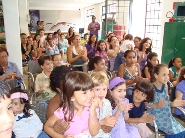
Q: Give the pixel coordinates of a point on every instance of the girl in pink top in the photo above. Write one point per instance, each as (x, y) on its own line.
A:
(77, 98)
(101, 50)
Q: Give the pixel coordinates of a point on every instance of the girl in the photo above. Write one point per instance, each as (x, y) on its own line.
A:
(101, 50)
(137, 41)
(144, 50)
(6, 114)
(113, 51)
(49, 36)
(121, 106)
(130, 71)
(152, 61)
(143, 91)
(91, 45)
(161, 106)
(77, 54)
(77, 98)
(174, 66)
(26, 122)
(51, 48)
(96, 64)
(127, 44)
(104, 113)
(63, 44)
(180, 90)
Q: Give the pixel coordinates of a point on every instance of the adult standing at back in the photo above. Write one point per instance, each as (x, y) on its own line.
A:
(94, 26)
(70, 35)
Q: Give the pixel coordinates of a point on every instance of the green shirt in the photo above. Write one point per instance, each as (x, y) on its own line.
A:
(37, 31)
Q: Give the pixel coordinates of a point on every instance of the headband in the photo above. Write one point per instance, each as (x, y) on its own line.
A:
(115, 81)
(19, 95)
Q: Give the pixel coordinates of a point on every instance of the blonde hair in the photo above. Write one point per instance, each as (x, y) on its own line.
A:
(99, 78)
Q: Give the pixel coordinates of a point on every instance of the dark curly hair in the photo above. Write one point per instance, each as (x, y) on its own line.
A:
(98, 45)
(92, 61)
(170, 63)
(148, 50)
(27, 106)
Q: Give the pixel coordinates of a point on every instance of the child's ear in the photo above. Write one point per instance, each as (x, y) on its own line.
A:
(184, 75)
(72, 99)
(42, 67)
(149, 60)
(155, 75)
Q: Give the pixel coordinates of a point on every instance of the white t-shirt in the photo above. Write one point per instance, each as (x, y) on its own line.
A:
(127, 45)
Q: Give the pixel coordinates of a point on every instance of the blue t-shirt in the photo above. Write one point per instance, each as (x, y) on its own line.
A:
(89, 47)
(135, 111)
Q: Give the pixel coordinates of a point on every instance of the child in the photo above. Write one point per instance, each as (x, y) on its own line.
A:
(51, 48)
(57, 61)
(152, 61)
(137, 41)
(77, 98)
(161, 106)
(121, 106)
(130, 71)
(42, 89)
(85, 40)
(127, 44)
(26, 122)
(104, 113)
(174, 66)
(55, 38)
(180, 91)
(96, 64)
(6, 116)
(101, 50)
(63, 44)
(143, 91)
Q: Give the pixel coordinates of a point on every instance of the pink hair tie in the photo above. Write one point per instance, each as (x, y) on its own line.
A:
(19, 95)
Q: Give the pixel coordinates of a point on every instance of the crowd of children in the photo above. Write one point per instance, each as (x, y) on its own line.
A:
(122, 87)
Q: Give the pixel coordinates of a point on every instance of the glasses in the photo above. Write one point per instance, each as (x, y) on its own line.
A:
(4, 57)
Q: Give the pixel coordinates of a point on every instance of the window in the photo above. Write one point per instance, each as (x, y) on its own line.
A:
(111, 10)
(89, 15)
(153, 22)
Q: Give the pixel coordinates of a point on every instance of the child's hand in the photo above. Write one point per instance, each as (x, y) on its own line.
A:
(60, 126)
(161, 104)
(95, 102)
(145, 118)
(124, 107)
(178, 103)
(137, 79)
(110, 121)
(69, 136)
(106, 129)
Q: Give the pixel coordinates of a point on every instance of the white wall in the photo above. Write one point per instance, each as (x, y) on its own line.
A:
(138, 18)
(72, 17)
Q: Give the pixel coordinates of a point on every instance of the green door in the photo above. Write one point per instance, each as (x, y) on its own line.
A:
(180, 42)
(169, 41)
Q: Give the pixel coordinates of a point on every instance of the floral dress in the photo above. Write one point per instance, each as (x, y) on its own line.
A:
(164, 119)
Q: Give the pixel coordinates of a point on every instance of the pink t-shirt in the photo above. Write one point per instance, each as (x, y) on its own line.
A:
(79, 124)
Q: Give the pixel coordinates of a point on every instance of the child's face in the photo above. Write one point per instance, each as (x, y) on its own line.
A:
(6, 117)
(139, 96)
(93, 38)
(100, 91)
(62, 37)
(41, 33)
(17, 106)
(130, 58)
(57, 61)
(163, 75)
(102, 46)
(47, 66)
(82, 98)
(136, 43)
(50, 42)
(86, 37)
(178, 63)
(154, 61)
(119, 93)
(100, 66)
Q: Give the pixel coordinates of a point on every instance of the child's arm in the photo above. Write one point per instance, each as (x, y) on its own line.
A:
(147, 74)
(94, 125)
(159, 104)
(48, 127)
(145, 118)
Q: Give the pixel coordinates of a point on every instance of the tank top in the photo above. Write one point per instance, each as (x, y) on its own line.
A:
(94, 25)
(79, 62)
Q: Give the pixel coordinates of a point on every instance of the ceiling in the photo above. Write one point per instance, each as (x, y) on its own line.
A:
(61, 4)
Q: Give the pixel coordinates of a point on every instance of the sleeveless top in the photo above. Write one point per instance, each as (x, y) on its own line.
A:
(79, 62)
(94, 25)
(128, 76)
(101, 54)
(111, 59)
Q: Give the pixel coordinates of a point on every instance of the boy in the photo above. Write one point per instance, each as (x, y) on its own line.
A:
(6, 114)
(42, 37)
(42, 82)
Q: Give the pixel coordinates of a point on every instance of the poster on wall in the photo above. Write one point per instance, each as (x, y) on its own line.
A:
(34, 17)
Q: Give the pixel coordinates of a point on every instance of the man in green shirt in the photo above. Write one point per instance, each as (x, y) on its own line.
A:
(38, 27)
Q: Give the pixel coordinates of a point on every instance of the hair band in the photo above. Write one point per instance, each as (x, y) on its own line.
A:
(19, 95)
(115, 81)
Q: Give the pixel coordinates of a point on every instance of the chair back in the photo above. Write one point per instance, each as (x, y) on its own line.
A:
(34, 67)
